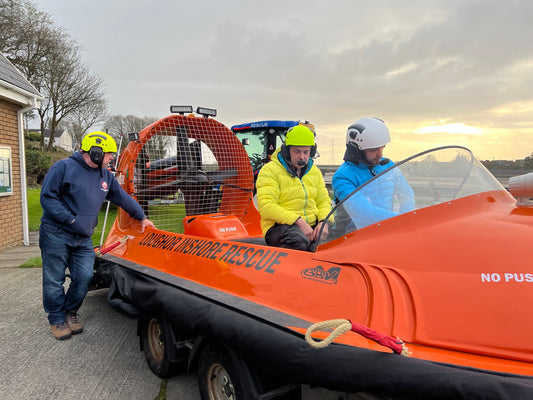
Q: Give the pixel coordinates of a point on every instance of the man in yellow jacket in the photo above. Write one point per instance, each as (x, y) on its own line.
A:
(291, 194)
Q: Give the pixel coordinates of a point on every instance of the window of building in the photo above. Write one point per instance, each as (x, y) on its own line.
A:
(6, 178)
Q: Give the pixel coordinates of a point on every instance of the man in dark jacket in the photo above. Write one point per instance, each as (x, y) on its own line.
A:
(72, 195)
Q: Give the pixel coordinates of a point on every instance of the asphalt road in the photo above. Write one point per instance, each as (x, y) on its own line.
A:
(103, 362)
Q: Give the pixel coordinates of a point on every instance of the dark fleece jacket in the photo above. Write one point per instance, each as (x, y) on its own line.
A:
(73, 193)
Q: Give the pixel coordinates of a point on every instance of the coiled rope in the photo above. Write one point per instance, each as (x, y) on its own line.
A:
(341, 326)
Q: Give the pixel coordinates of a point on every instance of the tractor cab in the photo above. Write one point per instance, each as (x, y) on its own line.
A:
(262, 138)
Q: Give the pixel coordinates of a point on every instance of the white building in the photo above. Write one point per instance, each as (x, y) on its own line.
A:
(62, 139)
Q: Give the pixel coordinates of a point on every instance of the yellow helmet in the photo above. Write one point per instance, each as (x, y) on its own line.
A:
(99, 139)
(300, 135)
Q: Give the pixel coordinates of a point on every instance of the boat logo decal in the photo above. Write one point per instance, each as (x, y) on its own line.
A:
(319, 274)
(247, 256)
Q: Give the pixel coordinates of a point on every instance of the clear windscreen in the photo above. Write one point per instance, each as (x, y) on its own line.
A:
(426, 179)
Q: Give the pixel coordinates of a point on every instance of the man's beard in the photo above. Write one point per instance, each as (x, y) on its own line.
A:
(373, 163)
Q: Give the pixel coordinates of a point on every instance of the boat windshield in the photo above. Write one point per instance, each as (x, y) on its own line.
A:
(426, 179)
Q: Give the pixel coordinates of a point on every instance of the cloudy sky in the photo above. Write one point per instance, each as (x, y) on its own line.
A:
(438, 72)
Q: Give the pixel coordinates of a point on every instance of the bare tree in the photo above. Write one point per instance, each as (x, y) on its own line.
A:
(69, 87)
(120, 126)
(83, 118)
(51, 61)
(26, 37)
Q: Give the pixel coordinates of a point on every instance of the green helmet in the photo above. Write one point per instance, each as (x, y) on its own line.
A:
(300, 135)
(99, 139)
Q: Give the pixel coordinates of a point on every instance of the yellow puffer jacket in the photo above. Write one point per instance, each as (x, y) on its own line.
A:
(282, 197)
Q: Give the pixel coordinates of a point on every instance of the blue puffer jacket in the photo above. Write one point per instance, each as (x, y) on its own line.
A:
(373, 203)
(73, 193)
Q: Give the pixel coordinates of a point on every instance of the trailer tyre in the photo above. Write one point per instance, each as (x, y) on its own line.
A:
(222, 377)
(157, 341)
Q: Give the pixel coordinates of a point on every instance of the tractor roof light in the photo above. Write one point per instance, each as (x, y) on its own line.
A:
(521, 187)
(181, 109)
(206, 112)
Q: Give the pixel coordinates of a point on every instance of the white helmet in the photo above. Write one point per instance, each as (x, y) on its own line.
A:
(368, 133)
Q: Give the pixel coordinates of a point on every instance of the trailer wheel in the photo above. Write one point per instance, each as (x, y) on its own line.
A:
(157, 341)
(222, 377)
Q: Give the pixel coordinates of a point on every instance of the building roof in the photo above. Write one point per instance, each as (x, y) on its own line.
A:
(11, 75)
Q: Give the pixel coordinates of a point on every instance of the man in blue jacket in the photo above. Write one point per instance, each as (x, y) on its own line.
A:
(365, 140)
(72, 195)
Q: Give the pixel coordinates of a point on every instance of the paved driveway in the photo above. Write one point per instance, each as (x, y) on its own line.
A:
(104, 362)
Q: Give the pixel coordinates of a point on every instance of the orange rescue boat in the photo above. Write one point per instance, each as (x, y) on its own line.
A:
(449, 277)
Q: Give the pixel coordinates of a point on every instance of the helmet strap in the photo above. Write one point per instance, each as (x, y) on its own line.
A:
(285, 152)
(353, 154)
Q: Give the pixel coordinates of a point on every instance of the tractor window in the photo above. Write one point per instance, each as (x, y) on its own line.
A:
(254, 144)
(260, 144)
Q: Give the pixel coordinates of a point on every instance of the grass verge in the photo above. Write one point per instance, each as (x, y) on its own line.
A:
(35, 262)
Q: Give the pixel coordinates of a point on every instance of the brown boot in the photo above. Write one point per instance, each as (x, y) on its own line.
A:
(73, 323)
(61, 331)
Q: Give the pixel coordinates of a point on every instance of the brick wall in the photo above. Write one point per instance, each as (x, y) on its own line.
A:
(11, 233)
